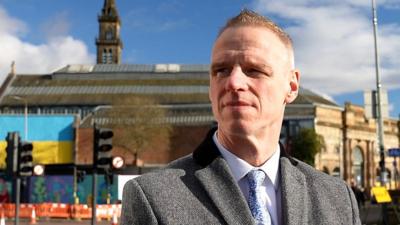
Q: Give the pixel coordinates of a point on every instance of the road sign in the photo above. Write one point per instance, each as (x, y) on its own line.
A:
(381, 194)
(394, 152)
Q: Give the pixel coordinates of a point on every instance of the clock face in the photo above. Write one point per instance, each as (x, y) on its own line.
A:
(118, 162)
(109, 35)
(38, 170)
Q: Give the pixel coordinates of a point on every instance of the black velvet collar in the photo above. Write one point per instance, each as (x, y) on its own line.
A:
(207, 151)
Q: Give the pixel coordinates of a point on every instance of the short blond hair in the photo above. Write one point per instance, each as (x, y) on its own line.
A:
(250, 18)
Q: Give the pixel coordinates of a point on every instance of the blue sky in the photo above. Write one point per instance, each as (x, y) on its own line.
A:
(333, 39)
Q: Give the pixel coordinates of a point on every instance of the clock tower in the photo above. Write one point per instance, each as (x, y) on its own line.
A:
(109, 44)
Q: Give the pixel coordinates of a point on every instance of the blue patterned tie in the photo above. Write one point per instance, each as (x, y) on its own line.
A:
(257, 208)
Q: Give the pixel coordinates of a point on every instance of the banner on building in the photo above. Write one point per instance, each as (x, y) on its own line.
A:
(52, 136)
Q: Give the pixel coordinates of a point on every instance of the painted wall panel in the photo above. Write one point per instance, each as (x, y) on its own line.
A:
(52, 136)
(59, 189)
(40, 127)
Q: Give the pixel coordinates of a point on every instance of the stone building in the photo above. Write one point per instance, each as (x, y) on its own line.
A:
(351, 149)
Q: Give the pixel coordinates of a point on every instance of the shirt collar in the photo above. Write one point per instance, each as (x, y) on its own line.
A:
(240, 168)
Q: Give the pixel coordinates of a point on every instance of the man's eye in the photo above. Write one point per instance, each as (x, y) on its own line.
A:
(254, 72)
(222, 72)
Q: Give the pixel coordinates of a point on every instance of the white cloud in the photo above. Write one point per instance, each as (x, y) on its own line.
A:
(334, 45)
(10, 25)
(56, 26)
(46, 57)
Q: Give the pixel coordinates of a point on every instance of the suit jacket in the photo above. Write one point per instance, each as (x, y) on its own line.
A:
(200, 189)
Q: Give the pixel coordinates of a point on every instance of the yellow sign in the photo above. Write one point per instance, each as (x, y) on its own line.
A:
(381, 194)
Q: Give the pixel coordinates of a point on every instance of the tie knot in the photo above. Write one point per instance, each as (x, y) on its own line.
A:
(255, 178)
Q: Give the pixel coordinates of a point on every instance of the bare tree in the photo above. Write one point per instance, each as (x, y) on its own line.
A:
(137, 122)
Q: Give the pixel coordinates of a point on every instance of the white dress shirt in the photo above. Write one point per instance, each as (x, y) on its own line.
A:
(271, 193)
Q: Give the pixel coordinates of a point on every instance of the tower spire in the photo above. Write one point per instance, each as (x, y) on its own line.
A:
(109, 44)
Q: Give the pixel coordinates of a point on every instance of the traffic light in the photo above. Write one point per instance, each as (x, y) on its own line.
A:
(13, 141)
(25, 159)
(109, 178)
(80, 176)
(102, 148)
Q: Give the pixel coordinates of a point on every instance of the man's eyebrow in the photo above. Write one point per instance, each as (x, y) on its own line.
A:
(221, 63)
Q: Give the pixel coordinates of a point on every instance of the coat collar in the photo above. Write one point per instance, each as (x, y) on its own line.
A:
(217, 180)
(207, 151)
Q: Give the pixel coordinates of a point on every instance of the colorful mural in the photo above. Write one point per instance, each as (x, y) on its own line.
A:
(52, 136)
(59, 189)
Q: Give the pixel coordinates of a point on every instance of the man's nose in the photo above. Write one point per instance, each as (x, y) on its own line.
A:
(237, 80)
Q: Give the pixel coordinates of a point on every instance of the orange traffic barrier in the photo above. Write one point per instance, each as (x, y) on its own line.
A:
(42, 210)
(80, 211)
(25, 210)
(75, 214)
(60, 210)
(9, 210)
(102, 212)
(85, 212)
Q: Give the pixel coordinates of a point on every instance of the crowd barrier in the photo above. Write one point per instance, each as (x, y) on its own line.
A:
(59, 210)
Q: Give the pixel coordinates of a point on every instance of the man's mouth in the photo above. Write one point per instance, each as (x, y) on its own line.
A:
(237, 104)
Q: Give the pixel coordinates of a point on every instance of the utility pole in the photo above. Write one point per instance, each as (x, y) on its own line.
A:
(379, 110)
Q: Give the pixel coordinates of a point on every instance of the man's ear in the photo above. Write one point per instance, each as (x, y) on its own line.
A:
(294, 85)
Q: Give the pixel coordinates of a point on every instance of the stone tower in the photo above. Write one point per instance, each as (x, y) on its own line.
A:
(109, 44)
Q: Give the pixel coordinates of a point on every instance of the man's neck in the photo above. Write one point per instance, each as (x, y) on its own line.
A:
(254, 149)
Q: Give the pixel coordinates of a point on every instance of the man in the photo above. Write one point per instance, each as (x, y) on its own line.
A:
(240, 174)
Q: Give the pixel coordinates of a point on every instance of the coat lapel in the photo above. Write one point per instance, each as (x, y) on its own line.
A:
(224, 192)
(293, 187)
(218, 182)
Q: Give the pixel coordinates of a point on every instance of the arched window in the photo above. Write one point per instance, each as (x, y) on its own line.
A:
(107, 57)
(325, 170)
(358, 166)
(110, 56)
(336, 172)
(104, 56)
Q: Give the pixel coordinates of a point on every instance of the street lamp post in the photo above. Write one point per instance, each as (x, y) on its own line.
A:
(16, 97)
(379, 110)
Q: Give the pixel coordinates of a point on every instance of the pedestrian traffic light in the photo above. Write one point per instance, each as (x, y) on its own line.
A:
(102, 148)
(109, 178)
(80, 176)
(13, 141)
(25, 159)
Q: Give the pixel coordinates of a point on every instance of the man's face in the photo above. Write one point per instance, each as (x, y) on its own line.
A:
(251, 79)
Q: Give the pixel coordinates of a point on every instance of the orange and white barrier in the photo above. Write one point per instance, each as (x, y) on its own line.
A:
(59, 210)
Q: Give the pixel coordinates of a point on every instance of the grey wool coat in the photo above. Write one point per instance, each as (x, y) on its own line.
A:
(200, 189)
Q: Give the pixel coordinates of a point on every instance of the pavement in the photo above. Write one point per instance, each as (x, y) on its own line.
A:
(58, 222)
(371, 214)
